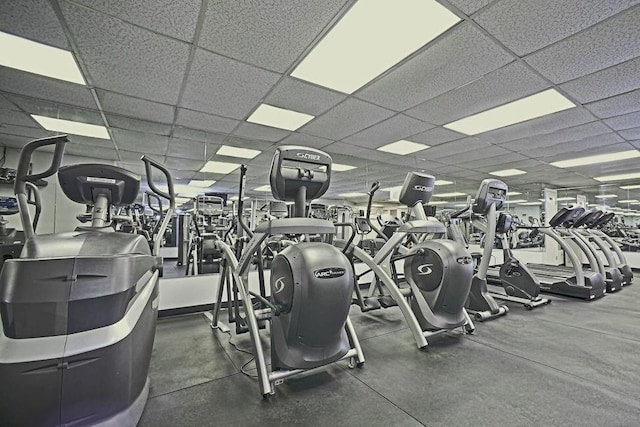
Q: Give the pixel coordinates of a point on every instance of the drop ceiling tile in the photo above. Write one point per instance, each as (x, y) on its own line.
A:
(296, 95)
(260, 132)
(61, 111)
(436, 136)
(186, 149)
(603, 45)
(346, 119)
(187, 133)
(540, 126)
(140, 142)
(175, 19)
(5, 104)
(354, 150)
(511, 82)
(267, 34)
(208, 122)
(135, 107)
(626, 121)
(128, 123)
(390, 130)
(15, 141)
(462, 55)
(179, 163)
(305, 140)
(100, 153)
(458, 147)
(616, 105)
(13, 117)
(608, 82)
(470, 6)
(574, 133)
(34, 20)
(471, 161)
(27, 132)
(571, 149)
(222, 86)
(23, 83)
(133, 157)
(148, 65)
(90, 142)
(630, 134)
(525, 27)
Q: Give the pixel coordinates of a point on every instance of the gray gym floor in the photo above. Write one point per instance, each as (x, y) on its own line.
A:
(573, 363)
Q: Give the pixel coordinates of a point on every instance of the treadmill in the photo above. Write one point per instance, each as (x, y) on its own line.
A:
(592, 230)
(560, 280)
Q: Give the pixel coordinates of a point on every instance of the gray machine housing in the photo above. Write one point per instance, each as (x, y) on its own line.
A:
(78, 314)
(311, 282)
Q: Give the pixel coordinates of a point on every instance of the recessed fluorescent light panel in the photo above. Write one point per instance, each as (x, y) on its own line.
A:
(620, 177)
(514, 193)
(38, 58)
(507, 172)
(276, 117)
(630, 187)
(75, 128)
(337, 167)
(402, 147)
(263, 188)
(202, 183)
(565, 199)
(351, 194)
(514, 201)
(222, 168)
(606, 196)
(442, 182)
(601, 158)
(531, 203)
(244, 153)
(630, 201)
(534, 106)
(370, 38)
(449, 194)
(437, 202)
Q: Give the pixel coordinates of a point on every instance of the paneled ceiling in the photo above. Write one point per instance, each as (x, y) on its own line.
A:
(178, 79)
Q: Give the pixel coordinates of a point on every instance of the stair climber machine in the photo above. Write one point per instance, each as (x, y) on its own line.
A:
(490, 197)
(571, 281)
(79, 308)
(311, 282)
(518, 282)
(437, 271)
(617, 272)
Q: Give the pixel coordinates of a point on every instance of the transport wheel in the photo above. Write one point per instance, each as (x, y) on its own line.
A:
(360, 365)
(528, 306)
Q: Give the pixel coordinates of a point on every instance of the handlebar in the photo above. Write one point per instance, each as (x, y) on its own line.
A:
(33, 190)
(154, 196)
(23, 176)
(171, 196)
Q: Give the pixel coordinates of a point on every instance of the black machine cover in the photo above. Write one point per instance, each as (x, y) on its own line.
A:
(417, 188)
(83, 182)
(491, 191)
(294, 167)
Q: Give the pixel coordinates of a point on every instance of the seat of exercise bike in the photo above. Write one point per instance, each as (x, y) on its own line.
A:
(83, 182)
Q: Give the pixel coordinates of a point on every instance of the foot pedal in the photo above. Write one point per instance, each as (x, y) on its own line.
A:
(387, 301)
(371, 303)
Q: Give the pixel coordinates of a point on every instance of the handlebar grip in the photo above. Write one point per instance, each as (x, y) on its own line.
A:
(150, 196)
(374, 187)
(22, 173)
(171, 196)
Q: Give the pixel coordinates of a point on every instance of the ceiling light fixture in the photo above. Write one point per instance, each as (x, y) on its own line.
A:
(620, 177)
(281, 118)
(600, 158)
(75, 128)
(507, 172)
(530, 203)
(565, 199)
(382, 33)
(517, 201)
(263, 188)
(454, 194)
(38, 58)
(244, 153)
(514, 193)
(222, 168)
(351, 194)
(541, 104)
(630, 187)
(442, 182)
(403, 147)
(202, 183)
(606, 196)
(337, 167)
(630, 201)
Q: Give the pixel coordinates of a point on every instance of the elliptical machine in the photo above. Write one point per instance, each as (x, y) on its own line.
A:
(78, 309)
(437, 271)
(491, 196)
(310, 283)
